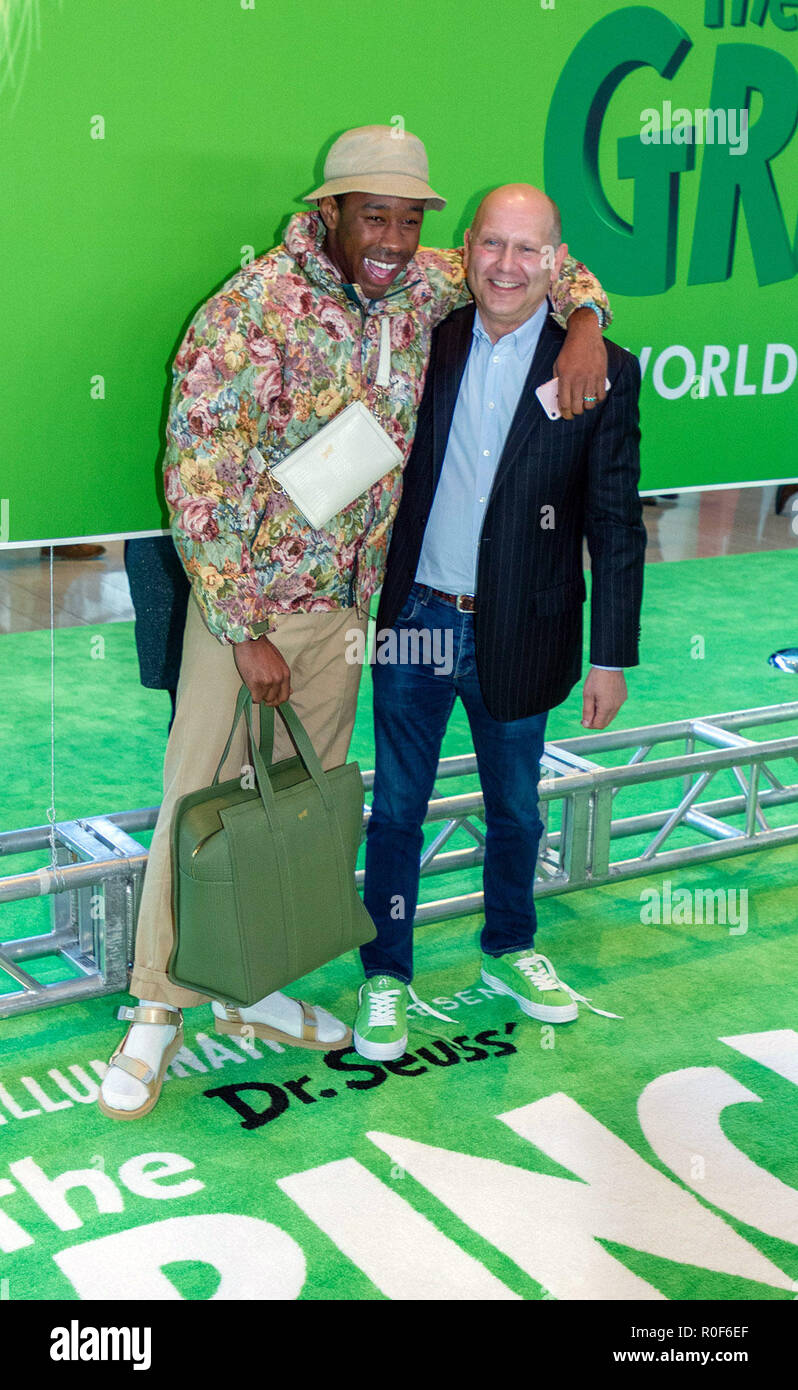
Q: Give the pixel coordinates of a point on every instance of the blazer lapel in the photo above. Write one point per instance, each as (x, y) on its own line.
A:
(454, 345)
(529, 412)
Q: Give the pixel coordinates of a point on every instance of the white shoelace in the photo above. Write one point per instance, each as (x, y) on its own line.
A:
(427, 1008)
(382, 1007)
(539, 969)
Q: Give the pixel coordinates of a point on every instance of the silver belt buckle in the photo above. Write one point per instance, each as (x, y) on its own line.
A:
(458, 603)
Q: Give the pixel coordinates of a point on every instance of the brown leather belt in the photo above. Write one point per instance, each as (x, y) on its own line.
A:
(464, 603)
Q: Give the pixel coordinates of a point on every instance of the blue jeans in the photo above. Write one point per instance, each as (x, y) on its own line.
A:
(412, 703)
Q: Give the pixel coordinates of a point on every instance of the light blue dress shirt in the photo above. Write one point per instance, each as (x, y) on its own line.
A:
(489, 393)
(486, 403)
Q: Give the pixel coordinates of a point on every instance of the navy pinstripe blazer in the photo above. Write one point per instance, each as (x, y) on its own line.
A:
(530, 584)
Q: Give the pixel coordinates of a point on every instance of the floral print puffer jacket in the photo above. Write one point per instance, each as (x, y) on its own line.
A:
(266, 362)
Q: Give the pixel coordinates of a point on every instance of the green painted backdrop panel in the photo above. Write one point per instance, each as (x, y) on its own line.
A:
(217, 118)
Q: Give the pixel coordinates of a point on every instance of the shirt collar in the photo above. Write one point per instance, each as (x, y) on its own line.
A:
(523, 340)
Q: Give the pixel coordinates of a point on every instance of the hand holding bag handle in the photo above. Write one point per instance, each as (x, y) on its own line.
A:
(263, 753)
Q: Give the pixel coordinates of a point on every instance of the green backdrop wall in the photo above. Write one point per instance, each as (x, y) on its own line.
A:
(147, 148)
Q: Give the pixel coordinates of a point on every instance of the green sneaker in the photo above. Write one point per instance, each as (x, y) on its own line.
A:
(531, 980)
(380, 1031)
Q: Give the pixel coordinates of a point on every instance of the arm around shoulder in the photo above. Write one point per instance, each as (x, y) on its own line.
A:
(576, 287)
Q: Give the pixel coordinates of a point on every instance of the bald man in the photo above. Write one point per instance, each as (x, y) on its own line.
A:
(483, 598)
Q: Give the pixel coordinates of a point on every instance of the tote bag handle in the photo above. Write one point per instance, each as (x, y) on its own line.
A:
(262, 753)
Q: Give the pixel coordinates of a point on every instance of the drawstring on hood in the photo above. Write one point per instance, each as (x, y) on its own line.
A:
(384, 367)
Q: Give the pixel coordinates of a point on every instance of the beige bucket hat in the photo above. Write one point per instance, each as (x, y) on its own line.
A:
(377, 159)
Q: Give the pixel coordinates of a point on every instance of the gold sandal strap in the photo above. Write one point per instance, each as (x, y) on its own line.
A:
(133, 1067)
(310, 1027)
(147, 1014)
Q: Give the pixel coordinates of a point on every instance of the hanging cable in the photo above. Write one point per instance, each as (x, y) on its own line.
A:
(51, 807)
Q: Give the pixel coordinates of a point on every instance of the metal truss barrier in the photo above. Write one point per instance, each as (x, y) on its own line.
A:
(94, 891)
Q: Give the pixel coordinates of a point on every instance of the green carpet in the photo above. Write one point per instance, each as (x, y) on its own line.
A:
(655, 1157)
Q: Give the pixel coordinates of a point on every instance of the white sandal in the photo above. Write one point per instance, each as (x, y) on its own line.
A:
(237, 1026)
(150, 1079)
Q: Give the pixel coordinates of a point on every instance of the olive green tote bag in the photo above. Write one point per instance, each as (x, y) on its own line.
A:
(264, 877)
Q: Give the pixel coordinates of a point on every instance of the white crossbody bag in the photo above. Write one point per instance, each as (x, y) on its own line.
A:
(339, 463)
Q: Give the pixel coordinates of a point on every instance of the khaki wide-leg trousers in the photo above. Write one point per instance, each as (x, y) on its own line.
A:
(324, 695)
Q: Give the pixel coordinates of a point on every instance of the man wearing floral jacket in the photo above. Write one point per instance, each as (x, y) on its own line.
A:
(342, 310)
